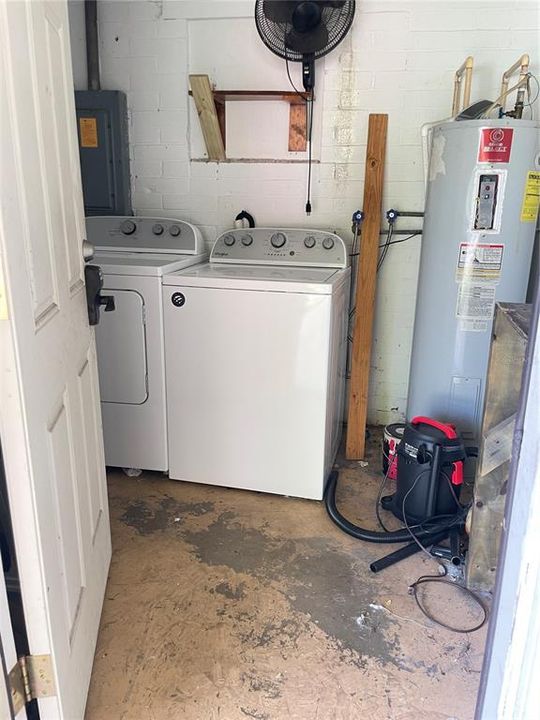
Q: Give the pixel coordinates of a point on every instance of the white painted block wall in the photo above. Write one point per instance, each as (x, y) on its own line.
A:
(399, 58)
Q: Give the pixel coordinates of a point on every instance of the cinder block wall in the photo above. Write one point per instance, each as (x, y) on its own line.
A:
(399, 58)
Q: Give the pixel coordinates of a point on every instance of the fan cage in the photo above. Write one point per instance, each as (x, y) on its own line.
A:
(337, 21)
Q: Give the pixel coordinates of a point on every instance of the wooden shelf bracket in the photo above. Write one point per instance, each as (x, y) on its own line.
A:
(211, 108)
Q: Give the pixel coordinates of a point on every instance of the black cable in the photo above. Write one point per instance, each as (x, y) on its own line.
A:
(531, 102)
(395, 536)
(451, 487)
(379, 496)
(302, 94)
(309, 98)
(425, 579)
(309, 104)
(409, 529)
(385, 246)
(395, 242)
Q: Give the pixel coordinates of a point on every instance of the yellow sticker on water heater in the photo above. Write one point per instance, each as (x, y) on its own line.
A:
(88, 130)
(531, 198)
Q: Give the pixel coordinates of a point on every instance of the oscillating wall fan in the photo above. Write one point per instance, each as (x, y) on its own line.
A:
(303, 31)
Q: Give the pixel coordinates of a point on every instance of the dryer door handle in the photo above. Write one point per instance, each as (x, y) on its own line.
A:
(108, 302)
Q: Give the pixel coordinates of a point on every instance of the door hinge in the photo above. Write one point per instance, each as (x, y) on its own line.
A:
(31, 678)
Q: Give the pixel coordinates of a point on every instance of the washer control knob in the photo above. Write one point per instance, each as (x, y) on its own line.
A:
(328, 243)
(247, 240)
(278, 240)
(174, 230)
(128, 227)
(229, 240)
(309, 241)
(157, 229)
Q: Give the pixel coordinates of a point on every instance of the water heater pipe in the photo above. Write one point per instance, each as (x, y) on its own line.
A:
(465, 69)
(92, 48)
(520, 86)
(523, 64)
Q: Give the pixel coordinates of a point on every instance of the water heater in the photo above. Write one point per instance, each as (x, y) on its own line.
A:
(479, 229)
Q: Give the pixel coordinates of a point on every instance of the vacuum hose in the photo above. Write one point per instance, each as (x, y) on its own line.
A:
(396, 536)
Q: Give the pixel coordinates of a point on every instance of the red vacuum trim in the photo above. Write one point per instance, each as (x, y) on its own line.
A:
(450, 431)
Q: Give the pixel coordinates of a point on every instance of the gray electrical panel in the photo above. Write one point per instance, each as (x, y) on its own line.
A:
(102, 128)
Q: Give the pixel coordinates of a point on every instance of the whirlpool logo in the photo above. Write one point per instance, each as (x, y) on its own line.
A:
(178, 299)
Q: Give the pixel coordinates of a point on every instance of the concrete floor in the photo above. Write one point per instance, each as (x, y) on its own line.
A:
(233, 605)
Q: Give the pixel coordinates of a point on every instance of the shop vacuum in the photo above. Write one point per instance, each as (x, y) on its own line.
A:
(429, 478)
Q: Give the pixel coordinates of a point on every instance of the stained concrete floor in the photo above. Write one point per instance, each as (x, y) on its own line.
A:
(223, 604)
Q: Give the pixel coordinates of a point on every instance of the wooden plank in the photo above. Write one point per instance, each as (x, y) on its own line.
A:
(264, 95)
(365, 288)
(259, 95)
(297, 127)
(222, 114)
(208, 117)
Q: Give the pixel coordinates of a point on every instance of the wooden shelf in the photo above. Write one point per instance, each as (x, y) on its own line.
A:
(250, 95)
(211, 104)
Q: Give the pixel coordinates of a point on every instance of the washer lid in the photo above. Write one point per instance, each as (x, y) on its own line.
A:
(257, 277)
(143, 263)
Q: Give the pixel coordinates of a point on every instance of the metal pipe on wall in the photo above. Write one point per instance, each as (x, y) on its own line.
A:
(92, 48)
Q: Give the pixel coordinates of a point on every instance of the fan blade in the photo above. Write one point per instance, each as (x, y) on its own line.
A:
(306, 43)
(279, 11)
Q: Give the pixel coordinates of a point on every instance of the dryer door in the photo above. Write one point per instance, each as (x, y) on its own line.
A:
(121, 349)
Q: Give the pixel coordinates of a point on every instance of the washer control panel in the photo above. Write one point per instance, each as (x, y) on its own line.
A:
(144, 234)
(280, 246)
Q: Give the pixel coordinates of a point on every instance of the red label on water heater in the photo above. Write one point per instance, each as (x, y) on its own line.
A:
(495, 145)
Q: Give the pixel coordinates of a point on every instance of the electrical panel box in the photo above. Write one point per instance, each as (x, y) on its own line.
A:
(102, 128)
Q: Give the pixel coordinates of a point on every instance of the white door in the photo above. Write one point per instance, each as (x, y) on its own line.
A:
(50, 424)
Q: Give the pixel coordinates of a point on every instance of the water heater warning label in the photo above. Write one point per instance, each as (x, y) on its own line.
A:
(479, 262)
(475, 302)
(531, 197)
(495, 145)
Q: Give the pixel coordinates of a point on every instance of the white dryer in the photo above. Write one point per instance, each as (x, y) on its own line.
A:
(134, 253)
(257, 402)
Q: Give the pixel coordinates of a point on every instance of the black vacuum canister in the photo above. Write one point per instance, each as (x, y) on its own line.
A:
(423, 490)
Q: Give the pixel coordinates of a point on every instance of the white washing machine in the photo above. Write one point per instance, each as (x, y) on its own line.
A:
(134, 253)
(255, 348)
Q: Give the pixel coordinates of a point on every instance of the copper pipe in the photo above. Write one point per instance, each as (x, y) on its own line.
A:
(466, 68)
(523, 63)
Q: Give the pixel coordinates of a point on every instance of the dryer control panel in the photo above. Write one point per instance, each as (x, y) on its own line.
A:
(280, 246)
(144, 234)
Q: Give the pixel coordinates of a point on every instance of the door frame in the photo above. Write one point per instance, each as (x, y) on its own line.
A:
(510, 681)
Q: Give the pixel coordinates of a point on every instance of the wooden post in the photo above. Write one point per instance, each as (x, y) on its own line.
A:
(206, 108)
(365, 287)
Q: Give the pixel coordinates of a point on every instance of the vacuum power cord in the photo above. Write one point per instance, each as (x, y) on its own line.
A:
(425, 579)
(422, 532)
